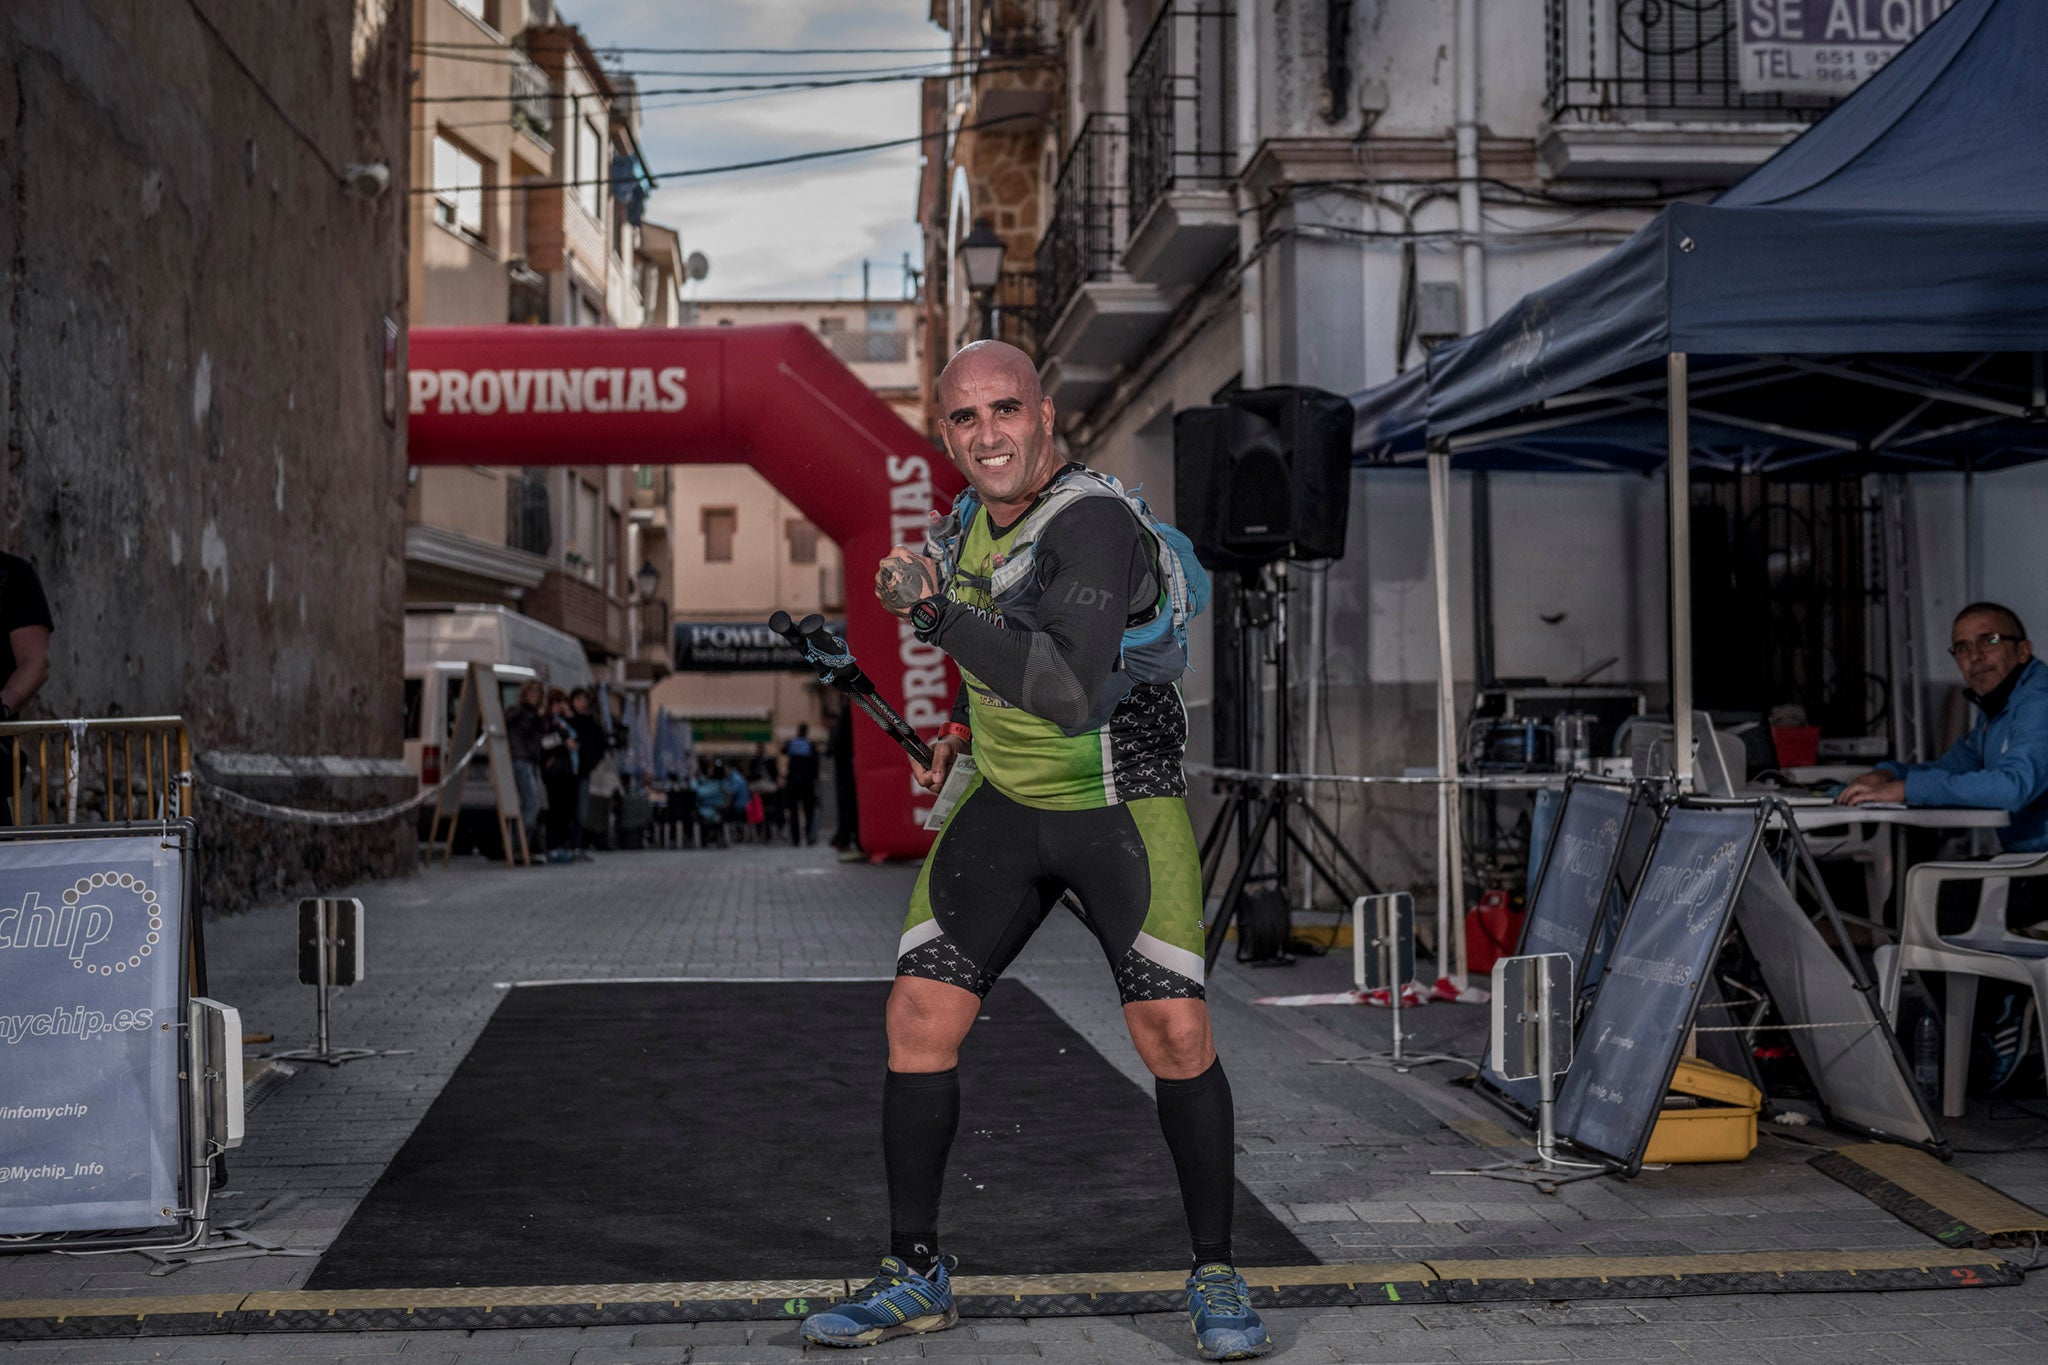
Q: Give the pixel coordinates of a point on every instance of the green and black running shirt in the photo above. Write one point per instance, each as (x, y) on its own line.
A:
(1026, 690)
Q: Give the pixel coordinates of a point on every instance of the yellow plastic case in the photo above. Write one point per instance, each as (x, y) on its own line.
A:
(1722, 1128)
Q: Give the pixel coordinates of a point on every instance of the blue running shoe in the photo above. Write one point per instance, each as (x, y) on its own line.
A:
(897, 1302)
(1220, 1310)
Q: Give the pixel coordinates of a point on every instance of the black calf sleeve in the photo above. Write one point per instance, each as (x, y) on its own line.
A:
(920, 1111)
(1196, 1117)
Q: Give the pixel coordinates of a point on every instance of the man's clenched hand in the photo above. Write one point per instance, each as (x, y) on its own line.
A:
(904, 579)
(944, 751)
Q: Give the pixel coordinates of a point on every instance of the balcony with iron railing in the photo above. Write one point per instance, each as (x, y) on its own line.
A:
(870, 348)
(1012, 314)
(1182, 159)
(1016, 28)
(1015, 312)
(1092, 316)
(1653, 89)
(531, 96)
(1013, 51)
(1090, 211)
(584, 610)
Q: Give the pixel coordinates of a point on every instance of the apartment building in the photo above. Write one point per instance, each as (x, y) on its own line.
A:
(529, 144)
(1195, 197)
(880, 340)
(740, 551)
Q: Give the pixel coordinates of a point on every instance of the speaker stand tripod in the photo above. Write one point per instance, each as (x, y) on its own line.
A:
(1259, 807)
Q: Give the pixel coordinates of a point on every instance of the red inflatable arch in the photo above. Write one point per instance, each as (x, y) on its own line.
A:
(771, 397)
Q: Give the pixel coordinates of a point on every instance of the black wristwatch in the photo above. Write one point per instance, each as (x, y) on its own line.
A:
(926, 616)
(6, 713)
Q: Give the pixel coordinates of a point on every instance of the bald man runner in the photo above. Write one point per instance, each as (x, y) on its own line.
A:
(1079, 786)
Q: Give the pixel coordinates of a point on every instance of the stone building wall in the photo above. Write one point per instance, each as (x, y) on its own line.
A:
(201, 455)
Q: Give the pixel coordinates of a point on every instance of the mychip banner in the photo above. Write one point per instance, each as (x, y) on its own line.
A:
(1826, 47)
(91, 937)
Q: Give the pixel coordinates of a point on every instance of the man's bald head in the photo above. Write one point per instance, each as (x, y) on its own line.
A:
(997, 424)
(991, 359)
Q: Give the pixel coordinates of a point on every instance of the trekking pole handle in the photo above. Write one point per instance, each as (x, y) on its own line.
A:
(835, 663)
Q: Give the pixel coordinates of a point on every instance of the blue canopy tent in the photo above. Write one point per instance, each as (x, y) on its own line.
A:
(1874, 298)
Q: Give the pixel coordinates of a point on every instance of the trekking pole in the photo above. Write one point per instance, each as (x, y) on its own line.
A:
(828, 654)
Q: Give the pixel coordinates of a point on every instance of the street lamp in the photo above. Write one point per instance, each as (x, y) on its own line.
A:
(981, 265)
(649, 579)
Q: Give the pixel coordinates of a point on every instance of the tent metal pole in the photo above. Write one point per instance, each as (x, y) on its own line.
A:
(1450, 870)
(1678, 482)
(1318, 583)
(1973, 574)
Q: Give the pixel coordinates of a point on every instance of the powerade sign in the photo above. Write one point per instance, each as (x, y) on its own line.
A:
(90, 963)
(1826, 47)
(738, 647)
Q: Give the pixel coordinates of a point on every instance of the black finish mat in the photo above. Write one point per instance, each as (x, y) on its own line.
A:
(639, 1132)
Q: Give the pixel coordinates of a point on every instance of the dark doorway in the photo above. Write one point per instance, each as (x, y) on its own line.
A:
(1788, 597)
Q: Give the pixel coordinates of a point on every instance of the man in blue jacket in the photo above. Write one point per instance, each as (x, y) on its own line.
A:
(2002, 763)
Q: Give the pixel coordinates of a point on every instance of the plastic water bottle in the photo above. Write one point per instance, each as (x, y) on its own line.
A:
(1927, 1057)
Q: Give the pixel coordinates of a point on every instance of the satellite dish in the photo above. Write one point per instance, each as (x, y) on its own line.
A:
(698, 266)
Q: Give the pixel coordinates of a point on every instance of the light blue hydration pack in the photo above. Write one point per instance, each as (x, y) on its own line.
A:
(1154, 649)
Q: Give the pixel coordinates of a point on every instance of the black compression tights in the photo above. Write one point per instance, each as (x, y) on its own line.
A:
(920, 1111)
(1195, 1115)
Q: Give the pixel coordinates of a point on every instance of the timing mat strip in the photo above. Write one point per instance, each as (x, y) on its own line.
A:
(1007, 1296)
(1954, 1209)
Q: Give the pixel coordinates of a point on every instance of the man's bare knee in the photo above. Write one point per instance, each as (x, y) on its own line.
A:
(1172, 1037)
(927, 1021)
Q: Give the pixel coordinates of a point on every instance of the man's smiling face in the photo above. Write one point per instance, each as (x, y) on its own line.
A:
(997, 424)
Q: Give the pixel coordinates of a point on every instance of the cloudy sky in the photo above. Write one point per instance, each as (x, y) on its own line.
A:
(787, 232)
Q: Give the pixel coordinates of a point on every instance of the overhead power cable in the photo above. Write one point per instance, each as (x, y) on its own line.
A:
(789, 160)
(723, 89)
(319, 152)
(639, 73)
(603, 50)
(646, 106)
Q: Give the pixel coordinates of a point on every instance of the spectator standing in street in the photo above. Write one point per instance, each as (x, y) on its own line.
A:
(25, 627)
(764, 808)
(524, 724)
(590, 751)
(738, 791)
(845, 797)
(558, 744)
(709, 793)
(800, 795)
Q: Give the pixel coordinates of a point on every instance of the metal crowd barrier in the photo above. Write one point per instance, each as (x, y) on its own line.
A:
(145, 763)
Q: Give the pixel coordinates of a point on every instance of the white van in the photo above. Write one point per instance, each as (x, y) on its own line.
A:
(441, 641)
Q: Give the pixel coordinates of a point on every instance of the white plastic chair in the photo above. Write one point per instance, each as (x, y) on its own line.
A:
(1986, 948)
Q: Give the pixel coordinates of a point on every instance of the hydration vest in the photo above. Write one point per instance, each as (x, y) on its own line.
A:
(1155, 644)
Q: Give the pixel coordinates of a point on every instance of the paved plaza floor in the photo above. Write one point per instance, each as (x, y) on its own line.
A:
(1341, 1154)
